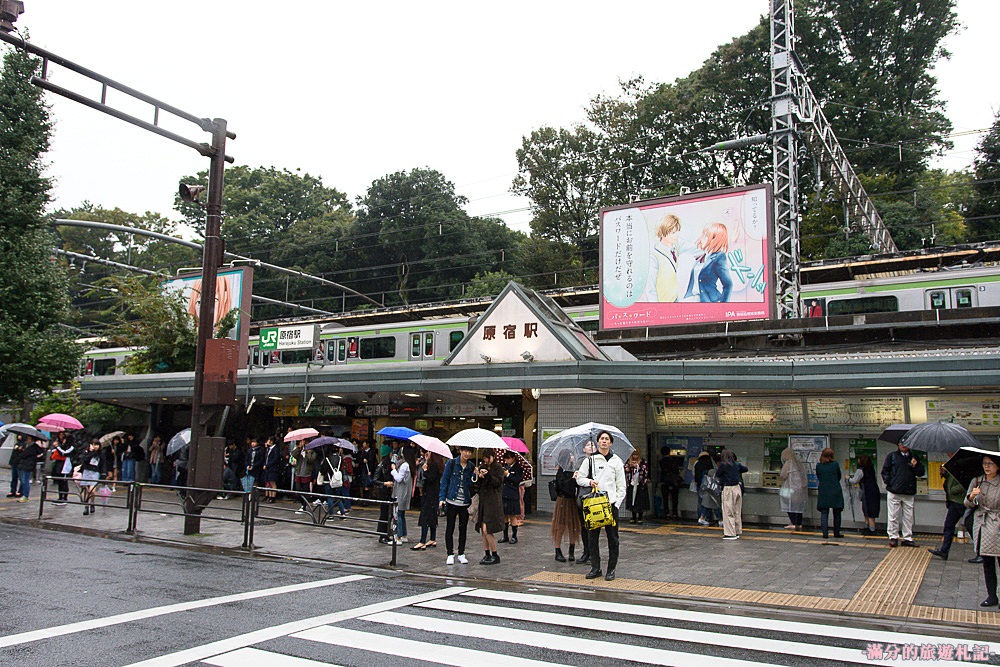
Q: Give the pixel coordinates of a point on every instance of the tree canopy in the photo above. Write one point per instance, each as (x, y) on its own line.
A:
(36, 353)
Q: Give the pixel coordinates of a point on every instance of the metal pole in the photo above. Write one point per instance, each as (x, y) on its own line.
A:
(211, 259)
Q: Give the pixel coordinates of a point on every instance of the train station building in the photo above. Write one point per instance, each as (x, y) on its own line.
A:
(526, 369)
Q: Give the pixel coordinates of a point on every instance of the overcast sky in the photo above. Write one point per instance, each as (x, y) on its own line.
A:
(351, 91)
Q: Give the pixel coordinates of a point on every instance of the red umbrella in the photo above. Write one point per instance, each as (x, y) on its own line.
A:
(301, 434)
(59, 419)
(516, 444)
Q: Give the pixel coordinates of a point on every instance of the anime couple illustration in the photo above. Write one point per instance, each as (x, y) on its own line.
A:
(710, 280)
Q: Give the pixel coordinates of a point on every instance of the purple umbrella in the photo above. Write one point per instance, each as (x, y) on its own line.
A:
(322, 442)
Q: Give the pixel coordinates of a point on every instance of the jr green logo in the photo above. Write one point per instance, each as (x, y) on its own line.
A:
(269, 339)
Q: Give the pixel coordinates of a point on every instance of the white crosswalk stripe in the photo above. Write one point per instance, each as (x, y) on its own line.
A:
(485, 627)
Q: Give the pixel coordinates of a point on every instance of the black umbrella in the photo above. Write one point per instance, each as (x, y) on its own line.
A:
(25, 429)
(895, 433)
(967, 464)
(939, 437)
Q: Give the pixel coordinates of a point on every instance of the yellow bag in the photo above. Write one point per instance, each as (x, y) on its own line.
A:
(597, 510)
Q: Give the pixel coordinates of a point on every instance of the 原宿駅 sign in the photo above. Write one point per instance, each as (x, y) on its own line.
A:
(288, 338)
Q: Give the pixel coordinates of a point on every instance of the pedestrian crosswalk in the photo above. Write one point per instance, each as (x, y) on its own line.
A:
(474, 626)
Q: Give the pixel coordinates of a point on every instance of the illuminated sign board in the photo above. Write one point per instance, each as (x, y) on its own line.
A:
(705, 257)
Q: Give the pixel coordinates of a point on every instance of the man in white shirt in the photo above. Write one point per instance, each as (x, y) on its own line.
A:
(604, 471)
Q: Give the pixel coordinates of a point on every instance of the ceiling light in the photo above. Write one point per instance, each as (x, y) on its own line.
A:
(333, 396)
(902, 387)
(276, 398)
(411, 395)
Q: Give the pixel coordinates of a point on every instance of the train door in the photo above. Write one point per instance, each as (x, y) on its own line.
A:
(951, 297)
(964, 297)
(937, 299)
(336, 351)
(421, 345)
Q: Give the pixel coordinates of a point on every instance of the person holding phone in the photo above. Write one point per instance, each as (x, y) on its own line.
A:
(489, 518)
(984, 498)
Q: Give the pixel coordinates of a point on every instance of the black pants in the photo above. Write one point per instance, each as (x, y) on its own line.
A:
(594, 542)
(990, 575)
(383, 519)
(671, 497)
(794, 518)
(955, 512)
(451, 513)
(824, 519)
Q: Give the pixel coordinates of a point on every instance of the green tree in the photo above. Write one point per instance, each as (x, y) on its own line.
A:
(36, 353)
(984, 211)
(490, 283)
(416, 242)
(154, 321)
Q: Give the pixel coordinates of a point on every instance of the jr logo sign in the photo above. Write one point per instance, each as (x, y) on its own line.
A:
(269, 339)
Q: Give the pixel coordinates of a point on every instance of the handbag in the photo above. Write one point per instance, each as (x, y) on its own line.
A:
(597, 511)
(711, 486)
(553, 490)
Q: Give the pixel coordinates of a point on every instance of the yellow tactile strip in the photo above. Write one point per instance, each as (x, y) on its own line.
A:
(893, 583)
(888, 591)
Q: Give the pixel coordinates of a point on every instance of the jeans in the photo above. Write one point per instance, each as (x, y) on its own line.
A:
(955, 512)
(331, 494)
(824, 520)
(128, 470)
(594, 541)
(401, 522)
(24, 479)
(15, 482)
(424, 530)
(157, 472)
(451, 513)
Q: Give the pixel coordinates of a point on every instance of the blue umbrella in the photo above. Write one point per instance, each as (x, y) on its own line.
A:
(397, 432)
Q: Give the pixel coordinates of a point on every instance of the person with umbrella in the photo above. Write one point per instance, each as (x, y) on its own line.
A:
(899, 472)
(32, 454)
(402, 491)
(271, 469)
(432, 468)
(20, 442)
(489, 517)
(984, 498)
(454, 498)
(92, 469)
(604, 471)
(954, 492)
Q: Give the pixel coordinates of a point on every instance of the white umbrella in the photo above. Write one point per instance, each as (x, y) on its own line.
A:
(477, 438)
(108, 437)
(179, 441)
(432, 444)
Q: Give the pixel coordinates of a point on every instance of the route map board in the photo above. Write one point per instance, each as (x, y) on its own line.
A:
(750, 414)
(973, 415)
(852, 413)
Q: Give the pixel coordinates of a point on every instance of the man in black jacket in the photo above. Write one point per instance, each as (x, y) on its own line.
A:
(899, 472)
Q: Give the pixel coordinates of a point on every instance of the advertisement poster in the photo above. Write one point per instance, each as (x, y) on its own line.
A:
(232, 290)
(691, 259)
(808, 449)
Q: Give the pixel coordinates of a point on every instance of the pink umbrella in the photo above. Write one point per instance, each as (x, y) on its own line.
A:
(432, 444)
(516, 444)
(59, 419)
(301, 434)
(51, 428)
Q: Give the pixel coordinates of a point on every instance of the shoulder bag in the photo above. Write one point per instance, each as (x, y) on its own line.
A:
(597, 512)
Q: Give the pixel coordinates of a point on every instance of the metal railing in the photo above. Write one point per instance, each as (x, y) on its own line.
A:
(193, 501)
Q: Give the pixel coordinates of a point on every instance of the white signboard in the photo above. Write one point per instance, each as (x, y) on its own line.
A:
(288, 338)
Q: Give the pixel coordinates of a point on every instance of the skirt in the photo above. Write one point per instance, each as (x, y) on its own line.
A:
(89, 478)
(565, 520)
(637, 498)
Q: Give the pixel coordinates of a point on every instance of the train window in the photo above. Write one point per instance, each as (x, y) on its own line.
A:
(105, 366)
(863, 305)
(937, 299)
(383, 347)
(341, 350)
(428, 344)
(296, 356)
(963, 298)
(454, 338)
(590, 326)
(415, 346)
(254, 355)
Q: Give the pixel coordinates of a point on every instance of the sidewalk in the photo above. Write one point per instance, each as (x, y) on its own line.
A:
(854, 576)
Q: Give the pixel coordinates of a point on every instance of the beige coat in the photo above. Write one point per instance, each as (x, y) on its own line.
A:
(986, 533)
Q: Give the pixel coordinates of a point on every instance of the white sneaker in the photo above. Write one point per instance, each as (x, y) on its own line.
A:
(703, 522)
(462, 559)
(403, 540)
(450, 561)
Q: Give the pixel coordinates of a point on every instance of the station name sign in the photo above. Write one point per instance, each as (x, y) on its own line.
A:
(288, 338)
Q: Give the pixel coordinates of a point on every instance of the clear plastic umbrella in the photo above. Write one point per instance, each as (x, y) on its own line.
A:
(179, 442)
(574, 439)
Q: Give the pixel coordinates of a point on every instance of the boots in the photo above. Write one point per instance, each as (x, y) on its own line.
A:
(572, 556)
(504, 538)
(513, 534)
(559, 555)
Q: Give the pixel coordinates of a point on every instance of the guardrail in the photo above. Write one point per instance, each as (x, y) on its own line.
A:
(192, 501)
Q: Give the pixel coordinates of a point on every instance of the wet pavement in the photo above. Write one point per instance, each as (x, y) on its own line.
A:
(854, 576)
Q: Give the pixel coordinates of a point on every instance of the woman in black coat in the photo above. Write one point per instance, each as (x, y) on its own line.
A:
(380, 476)
(430, 469)
(511, 498)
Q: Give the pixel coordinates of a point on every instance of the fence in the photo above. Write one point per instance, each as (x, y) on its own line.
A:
(192, 501)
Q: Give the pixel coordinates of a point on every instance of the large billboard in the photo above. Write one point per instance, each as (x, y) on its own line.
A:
(232, 290)
(705, 257)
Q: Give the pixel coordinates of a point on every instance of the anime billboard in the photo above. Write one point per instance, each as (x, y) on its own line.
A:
(232, 290)
(705, 257)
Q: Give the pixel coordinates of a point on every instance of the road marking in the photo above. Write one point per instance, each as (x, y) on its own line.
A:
(254, 657)
(117, 619)
(831, 631)
(436, 653)
(591, 647)
(204, 651)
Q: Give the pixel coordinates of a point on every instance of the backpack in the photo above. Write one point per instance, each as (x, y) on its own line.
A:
(336, 477)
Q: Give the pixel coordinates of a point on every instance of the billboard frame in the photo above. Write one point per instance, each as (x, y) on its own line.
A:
(770, 301)
(244, 305)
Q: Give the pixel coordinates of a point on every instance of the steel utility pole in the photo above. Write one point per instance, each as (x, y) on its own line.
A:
(206, 474)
